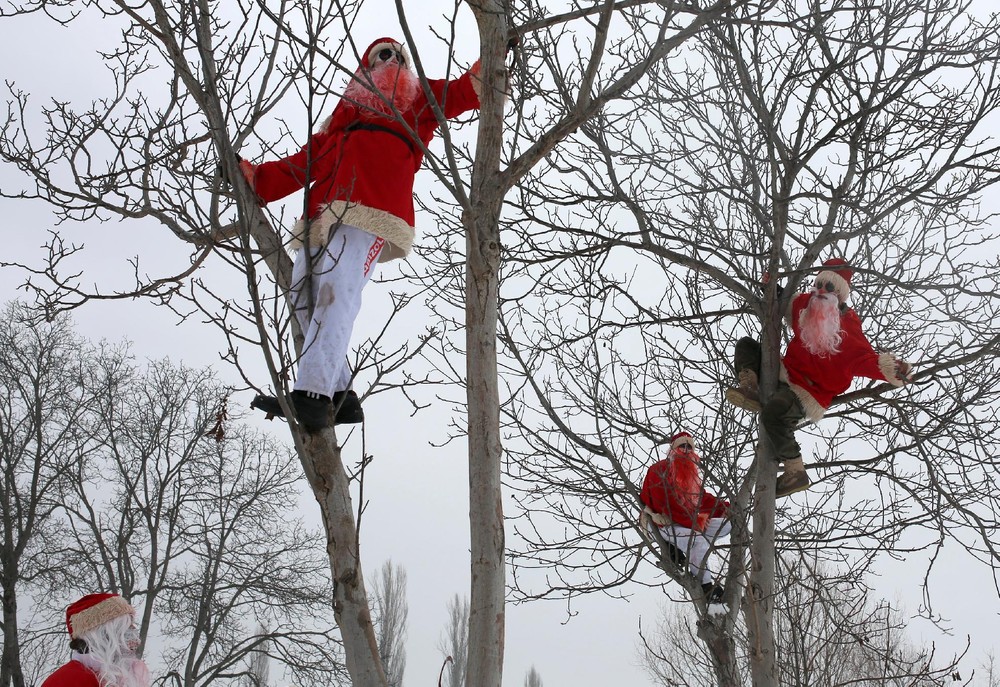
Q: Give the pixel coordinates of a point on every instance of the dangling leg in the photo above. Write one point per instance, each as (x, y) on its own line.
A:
(701, 544)
(326, 295)
(779, 419)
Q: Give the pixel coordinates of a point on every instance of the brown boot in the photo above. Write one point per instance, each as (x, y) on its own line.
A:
(747, 394)
(792, 480)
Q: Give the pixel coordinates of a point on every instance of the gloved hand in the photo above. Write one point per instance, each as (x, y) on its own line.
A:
(659, 519)
(249, 171)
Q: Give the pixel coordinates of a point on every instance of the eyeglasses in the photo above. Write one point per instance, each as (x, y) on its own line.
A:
(825, 286)
(386, 54)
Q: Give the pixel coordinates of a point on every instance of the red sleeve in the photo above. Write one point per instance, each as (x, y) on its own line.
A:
(457, 96)
(279, 178)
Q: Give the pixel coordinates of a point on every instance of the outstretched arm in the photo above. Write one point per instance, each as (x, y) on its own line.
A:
(276, 179)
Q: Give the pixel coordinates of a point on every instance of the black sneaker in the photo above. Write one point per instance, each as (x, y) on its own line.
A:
(269, 404)
(713, 592)
(348, 407)
(312, 410)
(674, 554)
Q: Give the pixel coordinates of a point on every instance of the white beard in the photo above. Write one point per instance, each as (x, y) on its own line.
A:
(127, 671)
(373, 90)
(819, 325)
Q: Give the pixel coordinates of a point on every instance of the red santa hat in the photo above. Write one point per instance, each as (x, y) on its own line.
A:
(682, 438)
(839, 274)
(377, 46)
(93, 611)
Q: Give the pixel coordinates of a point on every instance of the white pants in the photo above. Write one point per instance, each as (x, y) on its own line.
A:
(695, 544)
(326, 295)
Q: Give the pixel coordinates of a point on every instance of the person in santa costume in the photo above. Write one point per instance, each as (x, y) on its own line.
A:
(103, 641)
(827, 351)
(358, 170)
(688, 518)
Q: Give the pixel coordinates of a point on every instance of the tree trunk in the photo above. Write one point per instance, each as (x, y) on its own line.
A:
(10, 665)
(486, 603)
(330, 485)
(760, 594)
(722, 650)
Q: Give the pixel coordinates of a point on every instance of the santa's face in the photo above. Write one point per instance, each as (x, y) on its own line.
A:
(819, 321)
(685, 450)
(386, 86)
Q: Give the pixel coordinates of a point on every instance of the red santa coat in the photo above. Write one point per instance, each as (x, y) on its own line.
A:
(684, 507)
(364, 176)
(817, 380)
(72, 674)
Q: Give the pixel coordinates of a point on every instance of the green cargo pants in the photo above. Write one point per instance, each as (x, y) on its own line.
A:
(782, 411)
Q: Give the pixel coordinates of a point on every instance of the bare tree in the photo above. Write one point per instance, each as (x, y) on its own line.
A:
(390, 611)
(185, 509)
(259, 671)
(831, 632)
(146, 487)
(454, 644)
(43, 396)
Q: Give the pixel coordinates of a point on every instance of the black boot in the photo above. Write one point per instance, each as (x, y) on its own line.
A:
(713, 592)
(312, 410)
(348, 407)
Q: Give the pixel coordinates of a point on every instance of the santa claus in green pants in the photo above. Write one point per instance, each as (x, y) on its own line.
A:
(358, 169)
(827, 351)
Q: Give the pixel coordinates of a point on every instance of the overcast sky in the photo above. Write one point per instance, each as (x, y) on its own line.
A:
(418, 509)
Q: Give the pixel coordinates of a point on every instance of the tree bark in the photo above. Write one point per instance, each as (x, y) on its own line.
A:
(486, 604)
(10, 666)
(760, 593)
(321, 460)
(722, 650)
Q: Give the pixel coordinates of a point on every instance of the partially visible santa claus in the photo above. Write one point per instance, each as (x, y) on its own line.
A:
(103, 641)
(358, 170)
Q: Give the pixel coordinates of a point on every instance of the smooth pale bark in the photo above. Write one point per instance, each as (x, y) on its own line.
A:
(486, 601)
(325, 471)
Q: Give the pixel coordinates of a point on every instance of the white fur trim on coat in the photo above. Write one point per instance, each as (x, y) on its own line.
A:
(397, 233)
(887, 365)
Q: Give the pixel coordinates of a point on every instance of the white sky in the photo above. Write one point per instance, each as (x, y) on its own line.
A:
(418, 507)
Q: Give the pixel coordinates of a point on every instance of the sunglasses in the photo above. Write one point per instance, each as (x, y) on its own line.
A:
(689, 447)
(386, 54)
(825, 286)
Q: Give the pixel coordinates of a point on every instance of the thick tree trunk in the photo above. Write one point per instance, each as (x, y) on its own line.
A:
(329, 482)
(486, 603)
